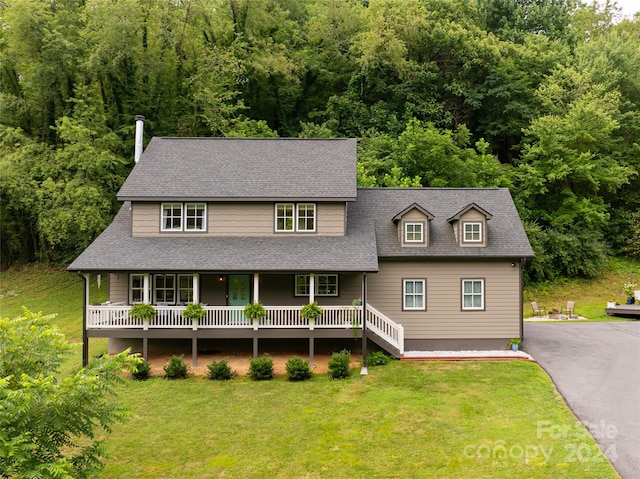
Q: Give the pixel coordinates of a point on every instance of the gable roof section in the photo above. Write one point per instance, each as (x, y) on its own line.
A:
(414, 206)
(506, 237)
(244, 169)
(116, 250)
(471, 206)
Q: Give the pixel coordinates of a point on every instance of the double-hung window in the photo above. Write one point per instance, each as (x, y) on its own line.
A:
(184, 217)
(472, 232)
(185, 288)
(325, 285)
(472, 294)
(291, 217)
(164, 288)
(413, 233)
(414, 294)
(136, 288)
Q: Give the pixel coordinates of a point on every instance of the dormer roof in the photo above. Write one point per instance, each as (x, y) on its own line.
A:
(413, 206)
(470, 206)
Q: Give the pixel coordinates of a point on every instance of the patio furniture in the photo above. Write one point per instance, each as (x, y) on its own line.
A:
(569, 309)
(538, 311)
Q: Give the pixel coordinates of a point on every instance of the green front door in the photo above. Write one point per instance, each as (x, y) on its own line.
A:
(239, 294)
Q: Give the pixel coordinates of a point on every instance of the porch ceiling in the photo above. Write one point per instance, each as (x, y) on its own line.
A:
(116, 250)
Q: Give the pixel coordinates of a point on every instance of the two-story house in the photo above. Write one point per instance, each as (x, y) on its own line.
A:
(229, 221)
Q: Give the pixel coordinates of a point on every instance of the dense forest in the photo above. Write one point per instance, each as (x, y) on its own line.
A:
(540, 96)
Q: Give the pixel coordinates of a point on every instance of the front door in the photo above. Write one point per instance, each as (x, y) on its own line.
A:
(239, 294)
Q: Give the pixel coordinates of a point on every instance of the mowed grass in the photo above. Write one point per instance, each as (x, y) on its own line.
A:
(407, 419)
(591, 295)
(404, 420)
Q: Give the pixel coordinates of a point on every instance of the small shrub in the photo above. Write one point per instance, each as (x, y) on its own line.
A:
(378, 358)
(261, 368)
(176, 368)
(220, 370)
(297, 369)
(339, 365)
(140, 371)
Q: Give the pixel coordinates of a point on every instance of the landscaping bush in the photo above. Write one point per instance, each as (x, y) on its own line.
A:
(378, 358)
(220, 370)
(297, 369)
(339, 365)
(176, 368)
(140, 371)
(261, 368)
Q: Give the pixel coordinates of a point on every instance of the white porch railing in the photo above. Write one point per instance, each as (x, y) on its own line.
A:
(110, 316)
(117, 317)
(390, 331)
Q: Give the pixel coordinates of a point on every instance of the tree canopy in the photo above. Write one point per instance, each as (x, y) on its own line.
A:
(539, 96)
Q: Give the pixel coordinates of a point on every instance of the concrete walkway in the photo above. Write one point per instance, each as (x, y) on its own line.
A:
(596, 368)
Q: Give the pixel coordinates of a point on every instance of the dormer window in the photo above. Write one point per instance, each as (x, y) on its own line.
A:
(183, 217)
(413, 226)
(472, 232)
(414, 232)
(470, 226)
(291, 217)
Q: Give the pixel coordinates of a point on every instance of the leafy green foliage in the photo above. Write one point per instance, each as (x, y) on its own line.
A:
(339, 365)
(141, 370)
(297, 369)
(142, 311)
(193, 311)
(261, 369)
(311, 311)
(254, 311)
(49, 425)
(540, 97)
(220, 370)
(378, 358)
(176, 368)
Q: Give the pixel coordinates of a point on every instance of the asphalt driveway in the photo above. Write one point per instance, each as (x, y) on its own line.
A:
(596, 368)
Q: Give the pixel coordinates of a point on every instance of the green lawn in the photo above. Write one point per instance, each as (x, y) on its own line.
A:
(591, 295)
(404, 420)
(407, 419)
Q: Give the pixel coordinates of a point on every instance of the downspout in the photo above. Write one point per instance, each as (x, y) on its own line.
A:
(85, 303)
(364, 371)
(522, 262)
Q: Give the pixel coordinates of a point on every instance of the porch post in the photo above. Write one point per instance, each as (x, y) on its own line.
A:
(145, 347)
(146, 289)
(194, 351)
(85, 317)
(256, 287)
(312, 287)
(255, 347)
(364, 370)
(196, 288)
(311, 351)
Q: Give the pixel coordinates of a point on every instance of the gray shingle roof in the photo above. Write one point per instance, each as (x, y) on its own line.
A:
(505, 233)
(217, 169)
(116, 250)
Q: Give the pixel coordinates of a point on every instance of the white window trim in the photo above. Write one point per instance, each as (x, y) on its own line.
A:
(406, 233)
(464, 231)
(179, 289)
(296, 215)
(293, 218)
(463, 294)
(311, 230)
(183, 217)
(131, 275)
(423, 294)
(155, 289)
(316, 284)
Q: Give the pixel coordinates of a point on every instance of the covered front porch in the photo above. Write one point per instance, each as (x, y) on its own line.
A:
(338, 295)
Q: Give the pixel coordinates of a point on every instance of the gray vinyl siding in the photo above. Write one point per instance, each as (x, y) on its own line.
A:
(238, 219)
(119, 287)
(443, 317)
(414, 216)
(474, 216)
